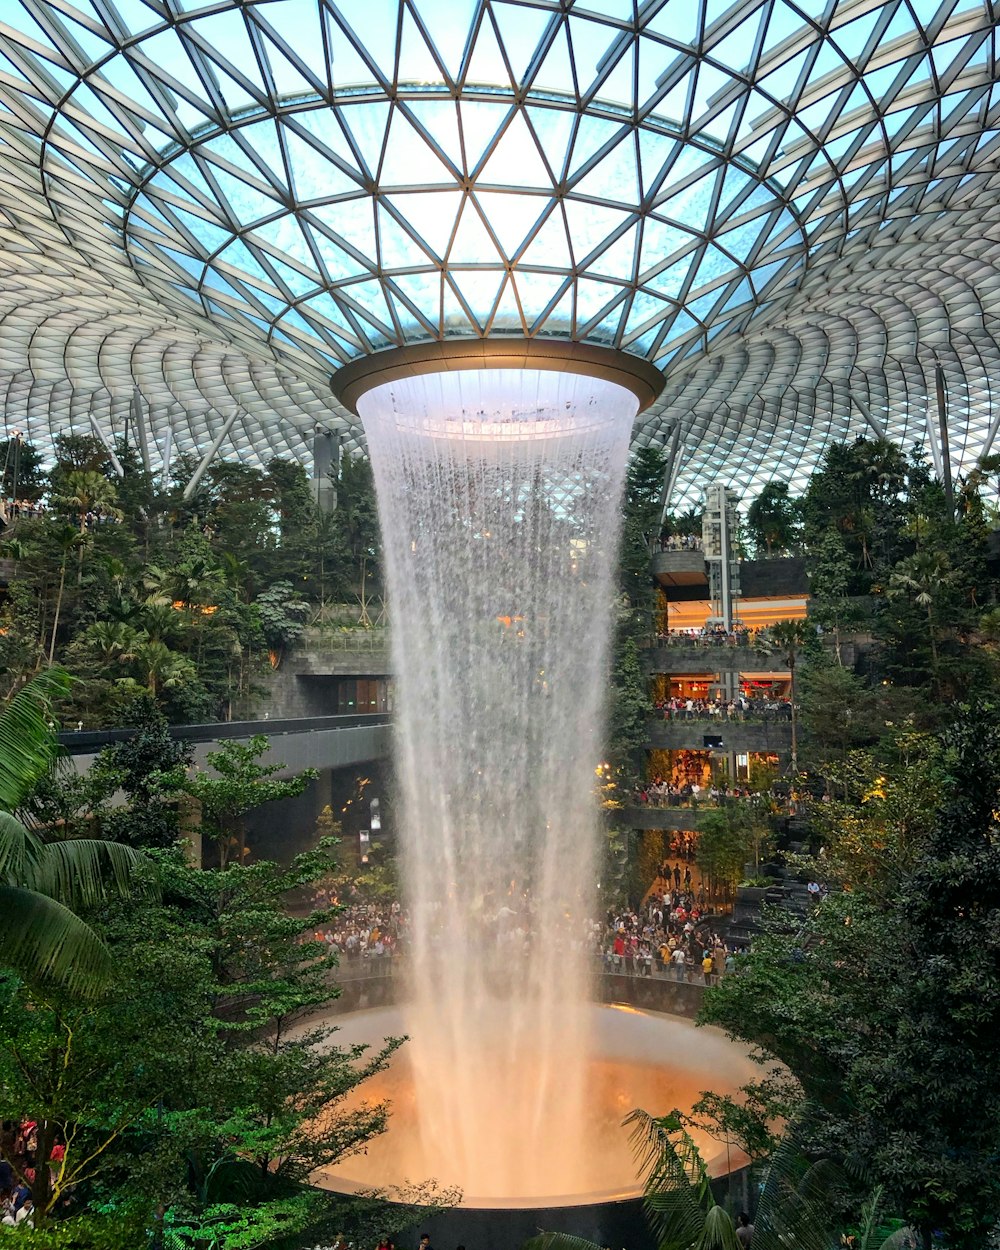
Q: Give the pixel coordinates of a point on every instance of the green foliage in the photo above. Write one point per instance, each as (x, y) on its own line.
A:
(241, 783)
(773, 520)
(884, 1003)
(628, 717)
(728, 839)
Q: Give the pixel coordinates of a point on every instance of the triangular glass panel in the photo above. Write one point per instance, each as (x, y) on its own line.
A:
(521, 30)
(739, 242)
(314, 177)
(289, 78)
(367, 124)
(734, 50)
(298, 284)
(479, 289)
(507, 315)
(397, 250)
(472, 244)
(377, 30)
(606, 330)
(659, 241)
(323, 126)
(440, 119)
(448, 26)
(511, 216)
(614, 177)
(285, 237)
(208, 234)
(644, 307)
(421, 295)
(248, 204)
(675, 105)
(852, 38)
(553, 129)
(781, 83)
(589, 225)
(347, 67)
(325, 306)
(591, 135)
(353, 221)
(618, 259)
(515, 161)
(681, 325)
(592, 297)
(408, 161)
(430, 215)
(549, 248)
(677, 21)
(536, 291)
(556, 71)
(736, 181)
(297, 23)
(670, 281)
(690, 206)
(560, 319)
(371, 297)
(454, 319)
(338, 263)
(719, 125)
(480, 122)
(618, 86)
(654, 152)
(416, 62)
(486, 66)
(226, 36)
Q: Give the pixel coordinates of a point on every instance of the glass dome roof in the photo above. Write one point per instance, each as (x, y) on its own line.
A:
(244, 195)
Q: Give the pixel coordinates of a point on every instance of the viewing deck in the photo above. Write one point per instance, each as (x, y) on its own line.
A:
(709, 658)
(737, 735)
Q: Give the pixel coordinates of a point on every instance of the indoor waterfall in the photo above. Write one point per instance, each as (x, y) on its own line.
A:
(499, 497)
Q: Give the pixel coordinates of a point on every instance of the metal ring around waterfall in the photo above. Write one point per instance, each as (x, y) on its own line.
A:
(644, 380)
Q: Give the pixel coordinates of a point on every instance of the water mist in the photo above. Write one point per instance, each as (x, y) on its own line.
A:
(499, 497)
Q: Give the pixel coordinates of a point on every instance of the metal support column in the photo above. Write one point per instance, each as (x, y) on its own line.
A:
(138, 420)
(105, 442)
(942, 406)
(326, 462)
(210, 455)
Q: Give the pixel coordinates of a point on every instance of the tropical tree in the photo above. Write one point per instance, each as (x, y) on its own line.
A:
(800, 1198)
(790, 637)
(67, 539)
(925, 578)
(773, 519)
(42, 885)
(87, 491)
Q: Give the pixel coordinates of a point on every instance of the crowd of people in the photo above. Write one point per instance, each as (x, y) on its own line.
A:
(671, 936)
(18, 1147)
(715, 636)
(364, 930)
(12, 509)
(740, 708)
(662, 793)
(680, 542)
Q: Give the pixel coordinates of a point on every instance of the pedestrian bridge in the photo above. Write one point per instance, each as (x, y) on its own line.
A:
(307, 742)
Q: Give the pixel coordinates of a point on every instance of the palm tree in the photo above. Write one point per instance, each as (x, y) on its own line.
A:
(113, 642)
(791, 637)
(795, 1208)
(66, 539)
(924, 575)
(42, 884)
(87, 491)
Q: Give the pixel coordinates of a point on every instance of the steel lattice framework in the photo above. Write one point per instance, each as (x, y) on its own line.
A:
(792, 209)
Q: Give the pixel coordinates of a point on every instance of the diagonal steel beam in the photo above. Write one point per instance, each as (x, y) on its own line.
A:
(210, 455)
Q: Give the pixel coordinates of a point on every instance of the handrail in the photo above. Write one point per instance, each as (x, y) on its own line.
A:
(84, 741)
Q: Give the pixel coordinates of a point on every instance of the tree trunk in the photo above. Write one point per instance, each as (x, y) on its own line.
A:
(55, 619)
(795, 717)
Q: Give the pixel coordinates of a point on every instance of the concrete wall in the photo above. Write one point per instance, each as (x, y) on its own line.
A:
(649, 817)
(689, 735)
(678, 659)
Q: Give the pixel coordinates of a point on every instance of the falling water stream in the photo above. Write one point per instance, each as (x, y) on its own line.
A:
(499, 497)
